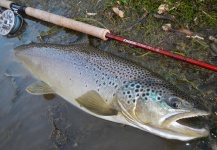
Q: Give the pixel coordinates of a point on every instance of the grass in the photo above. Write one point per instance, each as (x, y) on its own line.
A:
(201, 14)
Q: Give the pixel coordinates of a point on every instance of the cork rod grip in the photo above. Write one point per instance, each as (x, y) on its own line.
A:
(5, 3)
(68, 23)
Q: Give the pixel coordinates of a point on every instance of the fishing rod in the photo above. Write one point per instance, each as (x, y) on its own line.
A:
(11, 22)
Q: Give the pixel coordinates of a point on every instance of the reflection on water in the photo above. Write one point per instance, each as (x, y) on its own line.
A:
(49, 96)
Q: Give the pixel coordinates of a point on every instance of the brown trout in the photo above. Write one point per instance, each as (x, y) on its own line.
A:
(112, 88)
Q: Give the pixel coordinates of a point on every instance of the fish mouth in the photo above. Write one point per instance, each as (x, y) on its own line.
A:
(187, 123)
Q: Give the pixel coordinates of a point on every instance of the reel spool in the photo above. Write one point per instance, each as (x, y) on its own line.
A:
(10, 22)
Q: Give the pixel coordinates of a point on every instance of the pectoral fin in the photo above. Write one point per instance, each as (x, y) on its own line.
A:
(94, 103)
(39, 88)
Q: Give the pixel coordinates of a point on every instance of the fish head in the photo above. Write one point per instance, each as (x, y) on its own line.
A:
(160, 108)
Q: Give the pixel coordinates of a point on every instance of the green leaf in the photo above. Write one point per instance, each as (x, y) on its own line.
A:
(124, 1)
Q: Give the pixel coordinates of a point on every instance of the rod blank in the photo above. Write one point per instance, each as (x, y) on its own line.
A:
(163, 52)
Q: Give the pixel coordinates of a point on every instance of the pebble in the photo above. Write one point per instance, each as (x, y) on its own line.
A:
(213, 48)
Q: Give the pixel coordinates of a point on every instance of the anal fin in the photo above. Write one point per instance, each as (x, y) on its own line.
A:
(39, 88)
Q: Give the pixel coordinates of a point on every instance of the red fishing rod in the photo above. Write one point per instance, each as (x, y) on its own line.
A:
(11, 22)
(163, 52)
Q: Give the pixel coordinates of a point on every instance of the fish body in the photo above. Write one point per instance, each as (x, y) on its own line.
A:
(111, 88)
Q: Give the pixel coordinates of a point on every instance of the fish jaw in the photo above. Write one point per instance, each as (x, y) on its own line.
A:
(167, 133)
(169, 128)
(170, 122)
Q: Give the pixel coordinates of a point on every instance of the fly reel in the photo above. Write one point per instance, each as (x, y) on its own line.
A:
(10, 22)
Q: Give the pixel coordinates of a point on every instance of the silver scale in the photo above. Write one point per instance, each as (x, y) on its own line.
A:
(10, 22)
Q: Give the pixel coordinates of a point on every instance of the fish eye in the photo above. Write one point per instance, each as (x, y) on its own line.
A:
(175, 103)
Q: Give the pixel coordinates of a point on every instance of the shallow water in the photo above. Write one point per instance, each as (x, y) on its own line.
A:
(34, 122)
